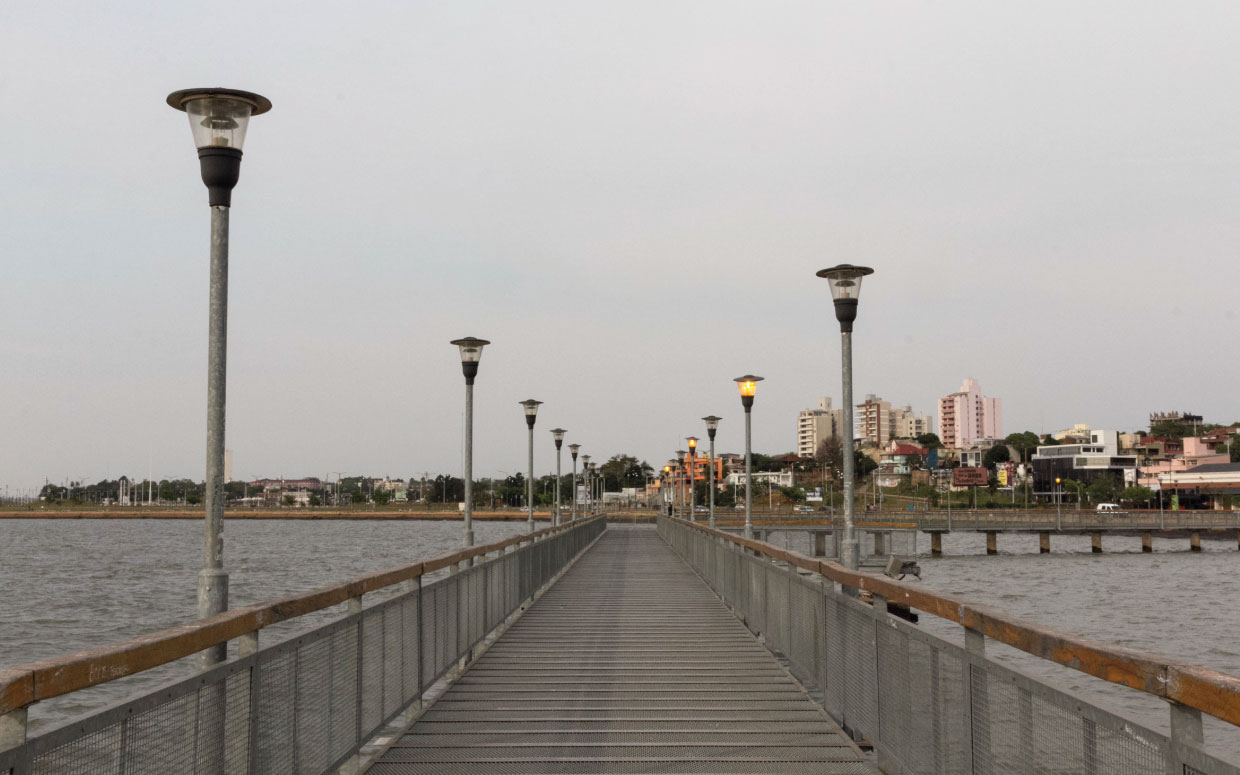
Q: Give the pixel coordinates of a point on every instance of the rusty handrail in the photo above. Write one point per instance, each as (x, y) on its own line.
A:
(1203, 688)
(43, 679)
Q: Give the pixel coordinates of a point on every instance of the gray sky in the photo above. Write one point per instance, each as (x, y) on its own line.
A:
(630, 200)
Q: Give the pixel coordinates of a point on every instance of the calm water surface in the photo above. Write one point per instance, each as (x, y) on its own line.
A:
(69, 585)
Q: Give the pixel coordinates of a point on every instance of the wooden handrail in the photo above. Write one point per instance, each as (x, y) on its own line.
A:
(26, 684)
(1207, 690)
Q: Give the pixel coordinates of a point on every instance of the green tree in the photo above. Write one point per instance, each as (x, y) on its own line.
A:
(1137, 495)
(794, 494)
(1235, 449)
(830, 455)
(316, 500)
(382, 497)
(997, 454)
(287, 500)
(1025, 443)
(1102, 489)
(863, 463)
(929, 441)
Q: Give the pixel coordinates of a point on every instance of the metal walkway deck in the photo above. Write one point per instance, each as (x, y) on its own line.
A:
(629, 664)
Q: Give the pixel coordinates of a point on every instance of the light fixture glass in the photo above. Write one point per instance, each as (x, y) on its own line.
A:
(558, 434)
(219, 117)
(712, 422)
(748, 385)
(845, 280)
(471, 348)
(531, 407)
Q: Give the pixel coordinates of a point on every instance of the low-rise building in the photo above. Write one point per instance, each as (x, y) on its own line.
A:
(1082, 463)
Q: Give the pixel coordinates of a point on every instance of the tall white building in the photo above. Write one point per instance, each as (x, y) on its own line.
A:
(878, 423)
(815, 426)
(966, 417)
(907, 424)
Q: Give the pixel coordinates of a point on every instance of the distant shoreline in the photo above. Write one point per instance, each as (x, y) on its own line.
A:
(302, 514)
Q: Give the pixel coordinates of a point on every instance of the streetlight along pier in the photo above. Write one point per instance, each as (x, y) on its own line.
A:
(589, 648)
(1168, 525)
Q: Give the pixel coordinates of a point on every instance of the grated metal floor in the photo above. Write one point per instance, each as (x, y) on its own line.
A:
(629, 664)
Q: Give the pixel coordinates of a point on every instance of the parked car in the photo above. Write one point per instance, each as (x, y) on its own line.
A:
(1108, 507)
(803, 508)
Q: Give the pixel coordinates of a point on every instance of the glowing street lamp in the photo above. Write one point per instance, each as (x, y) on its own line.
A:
(712, 425)
(471, 354)
(845, 281)
(531, 411)
(558, 435)
(680, 475)
(218, 119)
(748, 385)
(692, 440)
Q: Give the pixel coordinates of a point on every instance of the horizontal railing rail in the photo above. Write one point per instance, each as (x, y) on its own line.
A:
(393, 651)
(1016, 519)
(764, 584)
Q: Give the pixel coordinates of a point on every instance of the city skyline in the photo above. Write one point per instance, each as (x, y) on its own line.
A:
(593, 188)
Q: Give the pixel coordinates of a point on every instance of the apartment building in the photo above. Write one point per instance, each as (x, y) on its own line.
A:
(878, 423)
(815, 426)
(967, 416)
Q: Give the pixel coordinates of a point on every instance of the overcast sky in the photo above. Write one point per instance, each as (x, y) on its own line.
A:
(630, 199)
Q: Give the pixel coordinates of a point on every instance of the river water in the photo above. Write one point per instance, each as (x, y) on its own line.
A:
(72, 584)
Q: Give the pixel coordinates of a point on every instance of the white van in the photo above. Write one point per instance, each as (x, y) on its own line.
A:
(1108, 507)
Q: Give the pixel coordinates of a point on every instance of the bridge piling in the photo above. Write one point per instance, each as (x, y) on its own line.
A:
(1194, 541)
(992, 542)
(1044, 542)
(936, 544)
(1147, 542)
(879, 548)
(820, 543)
(1095, 542)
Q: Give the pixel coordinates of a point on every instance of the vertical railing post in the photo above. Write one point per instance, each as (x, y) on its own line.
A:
(1186, 732)
(353, 765)
(878, 735)
(13, 728)
(977, 719)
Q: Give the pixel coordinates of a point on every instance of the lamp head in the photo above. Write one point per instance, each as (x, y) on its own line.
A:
(712, 425)
(531, 410)
(845, 280)
(218, 119)
(747, 385)
(471, 353)
(680, 455)
(573, 449)
(558, 435)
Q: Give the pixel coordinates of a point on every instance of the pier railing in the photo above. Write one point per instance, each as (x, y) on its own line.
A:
(304, 705)
(1015, 519)
(928, 705)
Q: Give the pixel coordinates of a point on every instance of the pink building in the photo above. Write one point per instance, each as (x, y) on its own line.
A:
(967, 417)
(1197, 452)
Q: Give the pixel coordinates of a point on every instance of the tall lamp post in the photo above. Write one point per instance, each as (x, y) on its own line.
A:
(531, 411)
(471, 354)
(845, 280)
(712, 425)
(693, 440)
(218, 119)
(558, 435)
(585, 481)
(670, 489)
(748, 385)
(572, 450)
(680, 478)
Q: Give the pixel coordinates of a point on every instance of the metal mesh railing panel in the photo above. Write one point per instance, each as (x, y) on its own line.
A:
(776, 607)
(806, 635)
(202, 730)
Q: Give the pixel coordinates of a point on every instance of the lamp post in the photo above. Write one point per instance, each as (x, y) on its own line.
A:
(748, 385)
(845, 280)
(471, 354)
(693, 440)
(218, 119)
(558, 435)
(680, 477)
(712, 425)
(531, 411)
(572, 449)
(585, 481)
(667, 485)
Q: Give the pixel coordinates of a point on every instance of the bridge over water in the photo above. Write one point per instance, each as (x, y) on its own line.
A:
(588, 648)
